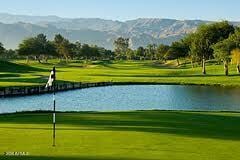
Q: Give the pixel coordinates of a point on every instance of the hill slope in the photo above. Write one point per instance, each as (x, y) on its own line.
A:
(143, 31)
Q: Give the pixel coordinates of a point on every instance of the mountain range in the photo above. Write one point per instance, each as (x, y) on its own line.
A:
(142, 31)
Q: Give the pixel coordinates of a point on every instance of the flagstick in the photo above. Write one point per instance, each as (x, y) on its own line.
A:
(54, 108)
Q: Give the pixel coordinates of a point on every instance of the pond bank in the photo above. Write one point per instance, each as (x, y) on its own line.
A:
(40, 89)
(34, 90)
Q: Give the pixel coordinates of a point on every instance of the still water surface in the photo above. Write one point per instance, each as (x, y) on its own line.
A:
(131, 97)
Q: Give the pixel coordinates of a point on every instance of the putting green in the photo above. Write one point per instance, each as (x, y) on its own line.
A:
(138, 135)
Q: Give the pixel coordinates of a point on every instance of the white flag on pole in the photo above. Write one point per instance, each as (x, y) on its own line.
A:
(50, 80)
(51, 83)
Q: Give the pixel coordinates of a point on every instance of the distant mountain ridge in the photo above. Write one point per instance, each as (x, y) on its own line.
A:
(142, 31)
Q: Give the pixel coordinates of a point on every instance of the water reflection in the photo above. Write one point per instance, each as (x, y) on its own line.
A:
(133, 97)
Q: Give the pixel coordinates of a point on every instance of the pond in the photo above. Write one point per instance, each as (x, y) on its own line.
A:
(131, 97)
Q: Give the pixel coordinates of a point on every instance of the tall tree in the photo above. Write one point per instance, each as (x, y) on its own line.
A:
(151, 50)
(187, 42)
(63, 47)
(140, 52)
(208, 35)
(222, 52)
(77, 50)
(130, 54)
(44, 47)
(37, 46)
(86, 50)
(94, 52)
(121, 46)
(162, 51)
(176, 51)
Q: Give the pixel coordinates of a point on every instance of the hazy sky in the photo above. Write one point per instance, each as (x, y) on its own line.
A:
(127, 9)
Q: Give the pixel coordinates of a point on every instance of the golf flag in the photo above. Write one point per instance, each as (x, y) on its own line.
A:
(51, 78)
(51, 83)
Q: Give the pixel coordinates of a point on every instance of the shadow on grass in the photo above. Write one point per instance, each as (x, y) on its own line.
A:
(38, 80)
(24, 80)
(192, 124)
(107, 65)
(9, 75)
(158, 65)
(18, 68)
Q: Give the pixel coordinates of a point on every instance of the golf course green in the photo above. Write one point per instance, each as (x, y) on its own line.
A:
(133, 135)
(20, 73)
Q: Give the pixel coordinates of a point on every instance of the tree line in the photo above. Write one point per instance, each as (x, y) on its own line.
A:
(41, 49)
(220, 41)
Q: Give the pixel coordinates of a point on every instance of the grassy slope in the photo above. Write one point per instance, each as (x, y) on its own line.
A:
(123, 135)
(18, 73)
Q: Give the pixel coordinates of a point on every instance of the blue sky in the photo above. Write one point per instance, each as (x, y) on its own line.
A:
(127, 9)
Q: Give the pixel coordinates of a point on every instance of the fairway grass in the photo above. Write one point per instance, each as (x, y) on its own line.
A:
(18, 73)
(137, 135)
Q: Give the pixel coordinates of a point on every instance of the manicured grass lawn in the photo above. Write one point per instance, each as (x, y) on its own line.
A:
(18, 73)
(138, 135)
